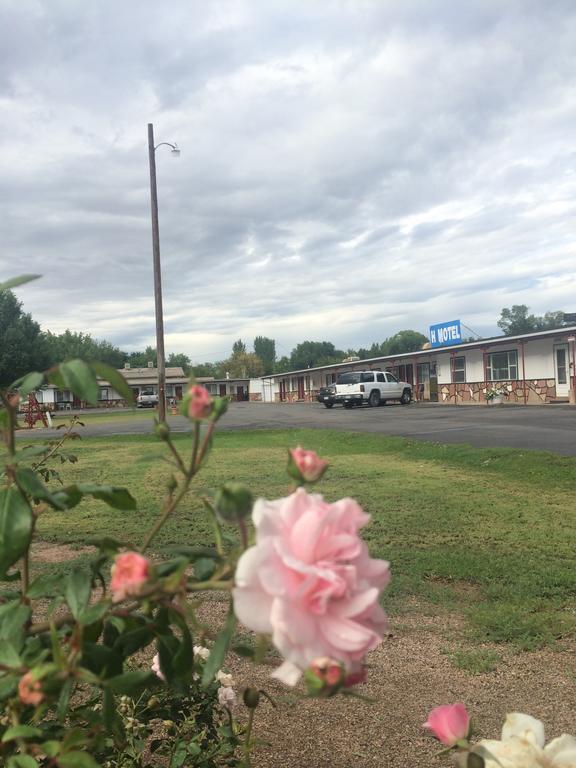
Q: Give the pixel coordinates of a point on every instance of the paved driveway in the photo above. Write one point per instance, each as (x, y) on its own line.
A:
(549, 428)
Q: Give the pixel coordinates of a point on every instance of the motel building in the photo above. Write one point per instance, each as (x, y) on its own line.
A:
(530, 369)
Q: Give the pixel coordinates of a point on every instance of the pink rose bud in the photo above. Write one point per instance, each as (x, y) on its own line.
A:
(129, 572)
(328, 670)
(200, 403)
(30, 690)
(306, 466)
(450, 723)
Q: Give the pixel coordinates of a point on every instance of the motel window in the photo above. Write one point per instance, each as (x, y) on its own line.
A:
(63, 396)
(502, 366)
(103, 393)
(459, 370)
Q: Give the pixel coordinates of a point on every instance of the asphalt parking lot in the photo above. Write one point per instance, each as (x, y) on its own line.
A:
(547, 428)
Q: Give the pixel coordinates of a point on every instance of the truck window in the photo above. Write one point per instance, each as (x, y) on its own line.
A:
(367, 376)
(348, 378)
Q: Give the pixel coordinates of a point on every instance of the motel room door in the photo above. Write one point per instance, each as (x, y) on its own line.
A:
(562, 369)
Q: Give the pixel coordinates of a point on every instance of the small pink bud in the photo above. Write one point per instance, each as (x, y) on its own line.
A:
(306, 465)
(449, 723)
(30, 690)
(329, 671)
(129, 572)
(200, 403)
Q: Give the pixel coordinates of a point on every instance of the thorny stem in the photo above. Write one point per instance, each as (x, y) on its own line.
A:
(174, 452)
(247, 745)
(68, 618)
(173, 501)
(57, 445)
(9, 438)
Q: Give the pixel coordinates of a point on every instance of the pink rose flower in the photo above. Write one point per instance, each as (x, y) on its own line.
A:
(200, 404)
(310, 582)
(30, 690)
(449, 723)
(327, 670)
(306, 465)
(129, 572)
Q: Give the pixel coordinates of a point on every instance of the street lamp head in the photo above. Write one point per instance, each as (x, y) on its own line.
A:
(175, 151)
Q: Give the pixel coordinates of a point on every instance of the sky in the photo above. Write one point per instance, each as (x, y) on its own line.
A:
(348, 169)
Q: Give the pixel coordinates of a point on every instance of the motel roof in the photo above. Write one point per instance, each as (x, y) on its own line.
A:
(479, 343)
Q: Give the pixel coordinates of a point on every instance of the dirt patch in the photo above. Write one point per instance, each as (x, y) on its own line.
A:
(48, 552)
(410, 673)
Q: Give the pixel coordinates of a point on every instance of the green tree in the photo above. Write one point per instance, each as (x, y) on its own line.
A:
(206, 369)
(515, 320)
(404, 341)
(309, 354)
(179, 360)
(70, 345)
(244, 365)
(238, 348)
(265, 348)
(23, 346)
(141, 359)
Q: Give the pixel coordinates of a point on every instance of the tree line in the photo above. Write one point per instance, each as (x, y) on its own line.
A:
(25, 347)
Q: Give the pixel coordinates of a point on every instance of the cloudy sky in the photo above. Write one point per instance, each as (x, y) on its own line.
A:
(348, 168)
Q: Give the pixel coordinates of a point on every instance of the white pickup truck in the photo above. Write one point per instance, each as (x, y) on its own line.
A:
(372, 387)
(147, 399)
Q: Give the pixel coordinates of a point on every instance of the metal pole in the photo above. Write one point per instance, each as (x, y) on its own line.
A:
(157, 279)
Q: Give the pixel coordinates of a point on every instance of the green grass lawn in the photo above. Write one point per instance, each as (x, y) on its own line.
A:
(103, 416)
(488, 534)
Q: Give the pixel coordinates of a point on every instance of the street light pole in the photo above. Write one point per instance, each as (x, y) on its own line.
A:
(161, 364)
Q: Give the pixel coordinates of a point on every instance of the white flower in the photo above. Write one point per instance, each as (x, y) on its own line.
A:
(156, 667)
(226, 697)
(522, 746)
(224, 679)
(202, 652)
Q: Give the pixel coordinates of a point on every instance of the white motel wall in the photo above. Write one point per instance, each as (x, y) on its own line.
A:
(530, 369)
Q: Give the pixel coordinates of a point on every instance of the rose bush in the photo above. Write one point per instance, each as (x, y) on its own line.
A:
(74, 690)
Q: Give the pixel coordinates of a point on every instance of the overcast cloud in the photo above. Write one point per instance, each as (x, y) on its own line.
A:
(348, 169)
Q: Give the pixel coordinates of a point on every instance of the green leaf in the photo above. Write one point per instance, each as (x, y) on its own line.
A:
(15, 527)
(115, 379)
(45, 586)
(132, 683)
(81, 379)
(64, 700)
(13, 617)
(9, 655)
(50, 748)
(94, 612)
(29, 383)
(31, 484)
(204, 567)
(77, 591)
(77, 760)
(118, 498)
(55, 377)
(21, 761)
(21, 732)
(217, 655)
(14, 282)
(8, 686)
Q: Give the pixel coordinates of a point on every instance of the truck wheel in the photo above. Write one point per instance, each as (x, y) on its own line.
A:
(347, 405)
(328, 405)
(374, 399)
(406, 398)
